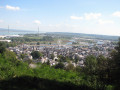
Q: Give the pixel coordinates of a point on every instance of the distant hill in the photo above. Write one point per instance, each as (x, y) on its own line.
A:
(84, 35)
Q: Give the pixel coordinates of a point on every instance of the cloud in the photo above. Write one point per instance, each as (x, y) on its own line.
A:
(89, 16)
(76, 18)
(37, 22)
(8, 7)
(105, 22)
(1, 21)
(117, 14)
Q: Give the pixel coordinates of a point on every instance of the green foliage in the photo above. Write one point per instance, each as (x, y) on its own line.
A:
(25, 39)
(109, 87)
(22, 56)
(52, 56)
(38, 43)
(78, 69)
(9, 65)
(2, 47)
(48, 62)
(90, 65)
(63, 59)
(47, 38)
(8, 44)
(102, 68)
(70, 67)
(59, 66)
(11, 68)
(76, 58)
(114, 66)
(36, 54)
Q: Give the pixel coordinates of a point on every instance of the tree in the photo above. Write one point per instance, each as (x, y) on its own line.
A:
(76, 58)
(62, 58)
(70, 66)
(78, 69)
(102, 63)
(102, 68)
(38, 43)
(48, 62)
(115, 67)
(90, 65)
(52, 56)
(36, 54)
(22, 56)
(59, 65)
(47, 38)
(2, 47)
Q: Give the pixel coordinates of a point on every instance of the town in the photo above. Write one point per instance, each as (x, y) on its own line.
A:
(74, 51)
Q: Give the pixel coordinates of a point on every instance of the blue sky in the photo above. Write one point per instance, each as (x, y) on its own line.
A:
(81, 16)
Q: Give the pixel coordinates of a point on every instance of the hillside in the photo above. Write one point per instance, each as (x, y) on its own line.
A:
(68, 34)
(18, 75)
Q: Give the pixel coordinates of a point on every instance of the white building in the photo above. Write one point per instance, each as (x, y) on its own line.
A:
(5, 40)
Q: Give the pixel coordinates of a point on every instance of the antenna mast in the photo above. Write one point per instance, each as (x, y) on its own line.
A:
(8, 29)
(38, 31)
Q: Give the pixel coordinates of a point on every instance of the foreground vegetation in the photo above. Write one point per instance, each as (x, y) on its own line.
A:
(99, 73)
(16, 75)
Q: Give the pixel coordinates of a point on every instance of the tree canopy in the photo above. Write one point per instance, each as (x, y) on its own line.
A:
(2, 47)
(36, 54)
(60, 66)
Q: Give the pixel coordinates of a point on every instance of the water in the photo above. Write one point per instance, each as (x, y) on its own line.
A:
(70, 42)
(18, 32)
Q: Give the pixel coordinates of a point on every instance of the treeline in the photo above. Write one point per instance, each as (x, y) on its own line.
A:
(47, 38)
(28, 39)
(8, 44)
(105, 70)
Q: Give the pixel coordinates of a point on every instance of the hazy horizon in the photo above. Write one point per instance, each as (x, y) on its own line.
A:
(36, 31)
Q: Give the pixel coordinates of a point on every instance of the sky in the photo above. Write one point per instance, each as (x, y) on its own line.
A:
(78, 16)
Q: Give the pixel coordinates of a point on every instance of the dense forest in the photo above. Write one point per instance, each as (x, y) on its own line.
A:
(99, 73)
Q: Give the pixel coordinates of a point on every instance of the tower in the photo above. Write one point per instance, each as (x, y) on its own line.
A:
(38, 32)
(8, 30)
